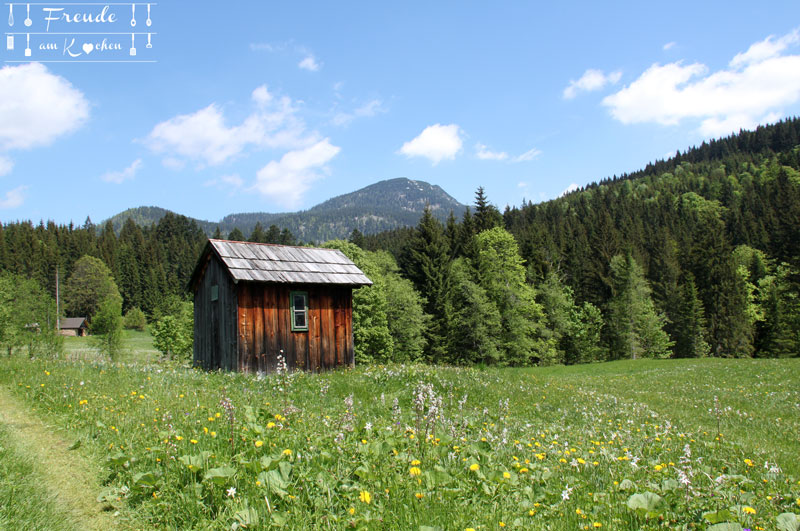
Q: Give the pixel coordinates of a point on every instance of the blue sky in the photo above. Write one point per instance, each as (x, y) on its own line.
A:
(277, 106)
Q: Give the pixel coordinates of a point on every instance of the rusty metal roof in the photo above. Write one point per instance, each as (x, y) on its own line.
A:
(262, 262)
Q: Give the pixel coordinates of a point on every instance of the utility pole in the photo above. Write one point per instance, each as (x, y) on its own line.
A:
(58, 310)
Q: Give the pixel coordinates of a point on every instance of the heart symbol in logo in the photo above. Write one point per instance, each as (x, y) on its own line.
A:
(88, 47)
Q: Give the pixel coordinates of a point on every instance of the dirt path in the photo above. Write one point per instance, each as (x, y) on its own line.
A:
(67, 475)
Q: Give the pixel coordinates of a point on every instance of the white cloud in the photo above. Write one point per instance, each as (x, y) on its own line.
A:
(571, 188)
(309, 63)
(204, 136)
(528, 155)
(522, 184)
(262, 47)
(484, 153)
(127, 174)
(669, 45)
(766, 49)
(435, 142)
(13, 198)
(36, 107)
(590, 80)
(6, 165)
(755, 87)
(285, 181)
(232, 180)
(368, 110)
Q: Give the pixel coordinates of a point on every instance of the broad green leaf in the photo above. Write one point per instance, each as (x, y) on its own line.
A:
(627, 484)
(715, 517)
(220, 475)
(727, 526)
(788, 522)
(145, 479)
(648, 502)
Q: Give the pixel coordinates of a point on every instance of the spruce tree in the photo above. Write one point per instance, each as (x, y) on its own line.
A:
(636, 327)
(426, 262)
(689, 323)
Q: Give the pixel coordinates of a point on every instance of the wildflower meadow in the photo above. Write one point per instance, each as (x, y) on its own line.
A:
(671, 444)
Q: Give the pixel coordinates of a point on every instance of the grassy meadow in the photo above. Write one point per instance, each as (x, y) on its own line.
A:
(646, 444)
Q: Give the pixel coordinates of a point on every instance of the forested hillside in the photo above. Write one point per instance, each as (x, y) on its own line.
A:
(704, 246)
(697, 255)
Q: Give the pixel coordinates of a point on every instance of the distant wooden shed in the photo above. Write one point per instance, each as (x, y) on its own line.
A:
(253, 301)
(73, 326)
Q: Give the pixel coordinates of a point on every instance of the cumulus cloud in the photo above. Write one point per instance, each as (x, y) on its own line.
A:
(205, 137)
(591, 80)
(36, 107)
(286, 180)
(569, 189)
(6, 165)
(127, 174)
(757, 84)
(309, 63)
(484, 153)
(435, 143)
(13, 198)
(368, 110)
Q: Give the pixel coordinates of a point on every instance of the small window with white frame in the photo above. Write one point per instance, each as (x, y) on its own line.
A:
(299, 300)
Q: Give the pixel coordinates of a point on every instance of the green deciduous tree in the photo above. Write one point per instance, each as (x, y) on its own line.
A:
(475, 325)
(89, 285)
(173, 333)
(371, 337)
(135, 320)
(501, 273)
(27, 316)
(106, 326)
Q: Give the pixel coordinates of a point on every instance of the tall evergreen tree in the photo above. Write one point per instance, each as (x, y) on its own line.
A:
(426, 262)
(689, 323)
(486, 215)
(636, 327)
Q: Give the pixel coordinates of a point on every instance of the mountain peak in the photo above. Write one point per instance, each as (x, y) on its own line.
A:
(381, 206)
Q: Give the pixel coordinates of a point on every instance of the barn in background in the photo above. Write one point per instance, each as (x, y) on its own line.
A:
(253, 301)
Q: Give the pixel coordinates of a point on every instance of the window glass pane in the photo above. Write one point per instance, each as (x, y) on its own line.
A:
(299, 301)
(300, 318)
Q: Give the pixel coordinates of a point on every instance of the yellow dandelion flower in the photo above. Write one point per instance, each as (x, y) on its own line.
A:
(502, 524)
(658, 468)
(506, 475)
(352, 511)
(415, 462)
(531, 512)
(259, 444)
(474, 467)
(523, 470)
(414, 471)
(365, 496)
(419, 495)
(748, 510)
(193, 441)
(270, 425)
(287, 452)
(258, 483)
(597, 524)
(581, 461)
(177, 437)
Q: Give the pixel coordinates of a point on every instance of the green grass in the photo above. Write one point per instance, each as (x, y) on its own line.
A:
(543, 448)
(25, 502)
(137, 347)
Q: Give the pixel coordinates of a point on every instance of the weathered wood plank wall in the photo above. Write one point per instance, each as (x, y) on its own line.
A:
(264, 323)
(215, 335)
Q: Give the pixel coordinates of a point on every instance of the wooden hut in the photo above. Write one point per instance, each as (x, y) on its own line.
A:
(73, 326)
(254, 301)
